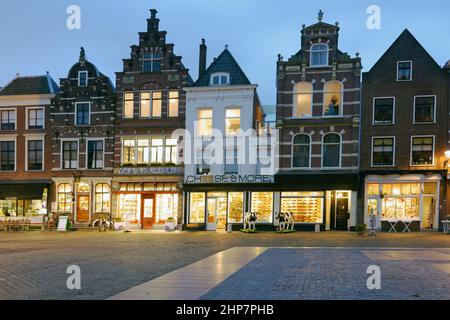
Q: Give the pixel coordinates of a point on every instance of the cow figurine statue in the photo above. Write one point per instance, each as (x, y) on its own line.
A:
(250, 221)
(290, 222)
(285, 222)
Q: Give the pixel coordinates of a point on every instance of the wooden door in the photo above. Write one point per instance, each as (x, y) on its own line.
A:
(148, 212)
(83, 204)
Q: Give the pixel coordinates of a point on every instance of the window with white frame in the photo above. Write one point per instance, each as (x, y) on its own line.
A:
(383, 110)
(331, 151)
(144, 108)
(301, 151)
(319, 55)
(82, 78)
(151, 62)
(171, 155)
(128, 149)
(383, 151)
(70, 154)
(232, 121)
(8, 119)
(35, 118)
(95, 154)
(333, 98)
(156, 104)
(303, 100)
(35, 155)
(64, 197)
(204, 122)
(102, 197)
(128, 105)
(173, 103)
(404, 71)
(157, 150)
(7, 155)
(424, 109)
(220, 79)
(422, 151)
(143, 151)
(82, 113)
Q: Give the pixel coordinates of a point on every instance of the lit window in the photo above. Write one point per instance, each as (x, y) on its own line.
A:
(383, 110)
(383, 152)
(422, 153)
(35, 118)
(232, 121)
(151, 62)
(205, 122)
(424, 109)
(156, 104)
(35, 155)
(262, 205)
(332, 98)
(331, 151)
(235, 207)
(301, 151)
(143, 151)
(319, 55)
(95, 154)
(8, 119)
(404, 71)
(144, 110)
(197, 207)
(65, 197)
(82, 78)
(157, 152)
(128, 105)
(7, 155)
(128, 151)
(303, 100)
(306, 207)
(70, 155)
(171, 151)
(173, 103)
(220, 79)
(102, 198)
(82, 118)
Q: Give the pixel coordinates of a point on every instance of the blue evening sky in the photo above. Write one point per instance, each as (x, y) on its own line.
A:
(35, 38)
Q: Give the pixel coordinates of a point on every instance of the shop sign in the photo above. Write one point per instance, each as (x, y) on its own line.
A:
(248, 178)
(133, 171)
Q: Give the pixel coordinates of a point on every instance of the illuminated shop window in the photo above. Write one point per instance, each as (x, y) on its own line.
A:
(130, 207)
(65, 197)
(102, 198)
(197, 207)
(306, 207)
(166, 207)
(235, 207)
(262, 204)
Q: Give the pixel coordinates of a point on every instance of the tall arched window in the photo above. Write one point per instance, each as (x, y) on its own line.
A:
(301, 151)
(332, 98)
(319, 55)
(331, 151)
(303, 100)
(65, 197)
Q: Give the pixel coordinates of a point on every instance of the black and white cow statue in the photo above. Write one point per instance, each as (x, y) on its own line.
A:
(285, 221)
(250, 221)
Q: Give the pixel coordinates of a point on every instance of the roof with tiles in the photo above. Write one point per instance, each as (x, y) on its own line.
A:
(225, 62)
(30, 85)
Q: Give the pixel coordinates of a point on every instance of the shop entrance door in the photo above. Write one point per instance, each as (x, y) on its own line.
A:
(83, 208)
(148, 212)
(217, 214)
(342, 214)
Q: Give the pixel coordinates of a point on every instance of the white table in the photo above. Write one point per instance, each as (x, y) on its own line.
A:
(394, 223)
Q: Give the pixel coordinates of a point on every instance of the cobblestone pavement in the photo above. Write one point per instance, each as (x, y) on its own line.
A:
(286, 274)
(33, 265)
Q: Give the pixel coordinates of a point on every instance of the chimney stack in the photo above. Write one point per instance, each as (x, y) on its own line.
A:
(202, 59)
(153, 22)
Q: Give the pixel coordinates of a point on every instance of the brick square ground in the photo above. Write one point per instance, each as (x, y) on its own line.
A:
(33, 265)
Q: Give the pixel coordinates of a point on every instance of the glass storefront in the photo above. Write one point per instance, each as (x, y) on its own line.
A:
(31, 204)
(404, 201)
(133, 197)
(216, 208)
(306, 207)
(262, 205)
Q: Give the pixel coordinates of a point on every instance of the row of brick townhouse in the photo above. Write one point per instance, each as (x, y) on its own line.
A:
(343, 144)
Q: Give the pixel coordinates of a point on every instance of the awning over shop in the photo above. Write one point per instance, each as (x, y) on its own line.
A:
(26, 191)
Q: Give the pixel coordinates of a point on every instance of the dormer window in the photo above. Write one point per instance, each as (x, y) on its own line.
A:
(319, 55)
(220, 79)
(82, 78)
(151, 62)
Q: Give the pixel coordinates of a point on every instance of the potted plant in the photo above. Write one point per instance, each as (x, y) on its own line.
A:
(170, 224)
(360, 229)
